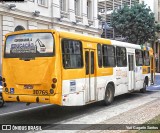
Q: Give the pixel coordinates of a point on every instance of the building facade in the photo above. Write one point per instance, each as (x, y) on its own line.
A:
(157, 43)
(78, 16)
(155, 7)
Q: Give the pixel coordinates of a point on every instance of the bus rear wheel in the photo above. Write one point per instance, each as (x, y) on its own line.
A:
(143, 90)
(109, 95)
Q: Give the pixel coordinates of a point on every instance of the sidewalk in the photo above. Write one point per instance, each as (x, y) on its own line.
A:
(137, 115)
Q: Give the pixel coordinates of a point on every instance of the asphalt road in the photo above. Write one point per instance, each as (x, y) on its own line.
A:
(47, 114)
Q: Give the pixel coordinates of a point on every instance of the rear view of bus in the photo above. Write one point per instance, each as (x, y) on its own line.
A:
(29, 67)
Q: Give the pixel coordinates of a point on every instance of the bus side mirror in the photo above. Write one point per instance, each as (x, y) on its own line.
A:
(0, 78)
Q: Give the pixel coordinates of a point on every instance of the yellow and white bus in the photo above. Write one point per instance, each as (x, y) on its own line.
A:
(69, 69)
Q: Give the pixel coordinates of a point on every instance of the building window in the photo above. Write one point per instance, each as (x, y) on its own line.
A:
(77, 7)
(121, 57)
(63, 5)
(43, 2)
(139, 57)
(19, 27)
(108, 56)
(146, 58)
(89, 9)
(72, 54)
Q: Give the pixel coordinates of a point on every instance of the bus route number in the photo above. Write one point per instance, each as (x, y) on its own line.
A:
(40, 92)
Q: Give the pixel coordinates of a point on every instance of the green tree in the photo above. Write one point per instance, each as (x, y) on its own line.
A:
(136, 23)
(158, 28)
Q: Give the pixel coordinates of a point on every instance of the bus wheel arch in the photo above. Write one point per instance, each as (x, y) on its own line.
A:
(109, 93)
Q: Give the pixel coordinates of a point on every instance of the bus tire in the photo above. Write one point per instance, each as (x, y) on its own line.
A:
(109, 94)
(143, 90)
(1, 101)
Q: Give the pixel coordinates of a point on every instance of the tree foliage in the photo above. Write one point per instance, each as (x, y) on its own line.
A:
(136, 23)
(157, 27)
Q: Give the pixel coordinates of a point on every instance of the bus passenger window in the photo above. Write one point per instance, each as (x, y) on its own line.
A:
(139, 57)
(109, 56)
(99, 52)
(72, 54)
(121, 57)
(92, 62)
(87, 62)
(146, 58)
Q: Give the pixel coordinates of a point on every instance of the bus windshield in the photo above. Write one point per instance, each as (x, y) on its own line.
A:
(29, 45)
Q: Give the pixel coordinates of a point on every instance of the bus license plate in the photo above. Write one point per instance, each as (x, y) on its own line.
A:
(40, 92)
(28, 86)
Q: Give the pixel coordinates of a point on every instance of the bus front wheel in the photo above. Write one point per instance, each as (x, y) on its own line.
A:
(109, 95)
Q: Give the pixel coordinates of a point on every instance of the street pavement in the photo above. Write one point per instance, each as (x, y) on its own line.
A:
(47, 114)
(19, 113)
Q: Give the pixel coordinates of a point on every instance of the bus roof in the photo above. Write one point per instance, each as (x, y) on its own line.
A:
(83, 38)
(29, 31)
(129, 45)
(65, 34)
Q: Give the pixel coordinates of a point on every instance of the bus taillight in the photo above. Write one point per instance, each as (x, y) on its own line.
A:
(4, 84)
(54, 80)
(53, 86)
(3, 79)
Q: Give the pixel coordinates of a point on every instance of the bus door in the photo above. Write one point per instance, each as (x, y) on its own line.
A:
(131, 72)
(90, 92)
